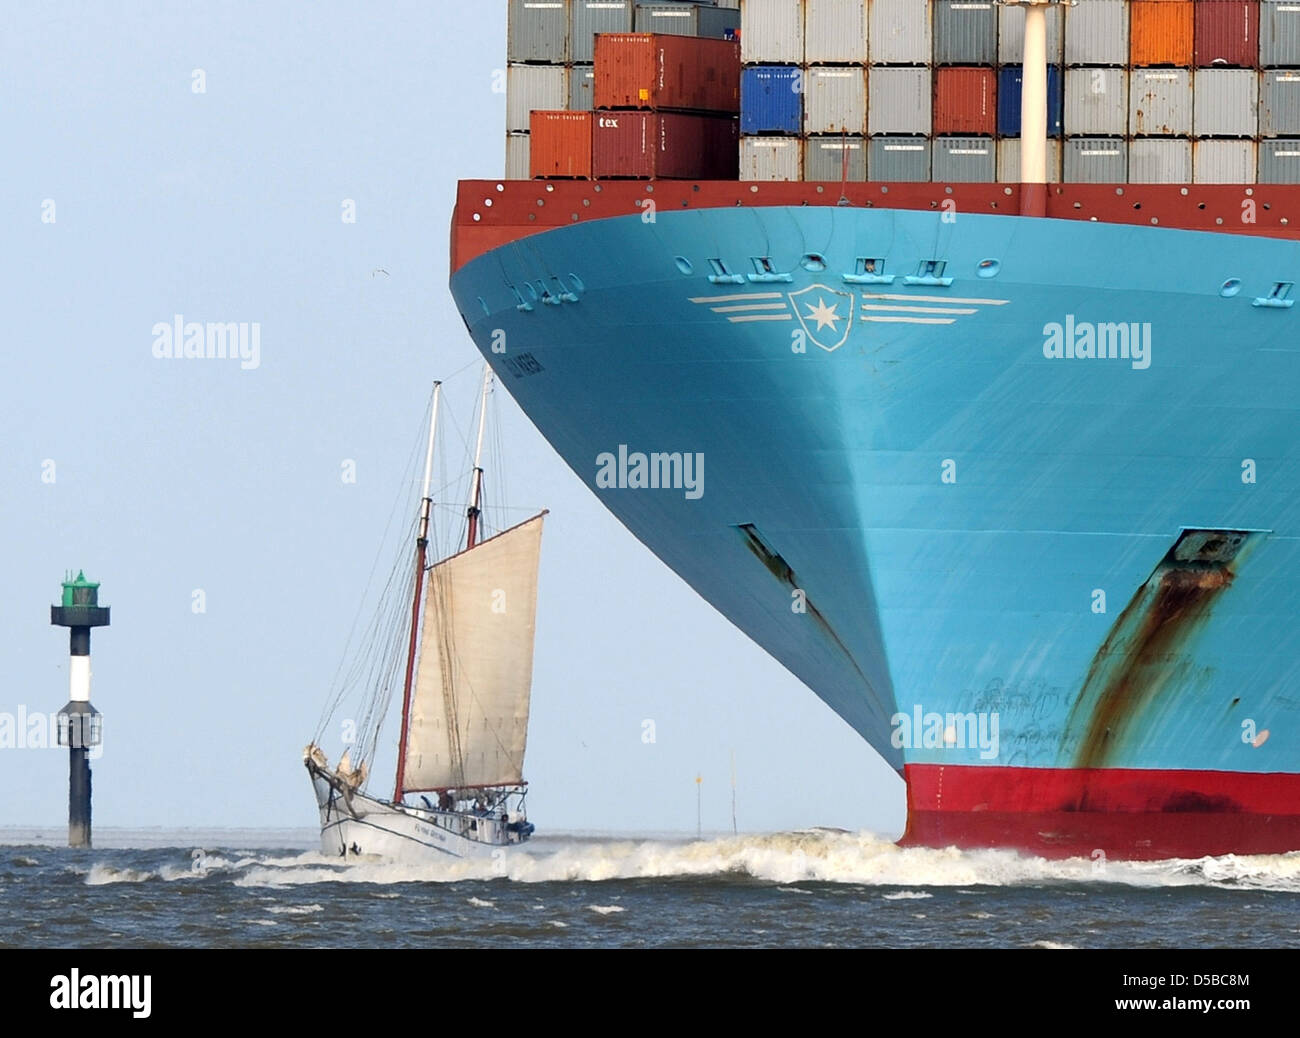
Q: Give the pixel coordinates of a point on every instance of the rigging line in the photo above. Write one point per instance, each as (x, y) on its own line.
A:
(337, 689)
(380, 666)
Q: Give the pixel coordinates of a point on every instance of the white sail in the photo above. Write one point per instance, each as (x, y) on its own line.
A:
(469, 707)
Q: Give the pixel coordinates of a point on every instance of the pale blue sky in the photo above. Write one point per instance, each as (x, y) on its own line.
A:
(173, 476)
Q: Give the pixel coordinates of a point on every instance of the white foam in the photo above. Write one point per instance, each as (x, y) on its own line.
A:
(906, 895)
(295, 909)
(478, 902)
(607, 909)
(784, 859)
(103, 875)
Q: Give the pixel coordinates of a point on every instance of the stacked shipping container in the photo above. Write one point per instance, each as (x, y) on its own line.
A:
(1139, 90)
(551, 55)
(664, 106)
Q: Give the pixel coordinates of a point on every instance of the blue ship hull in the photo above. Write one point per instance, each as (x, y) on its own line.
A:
(1056, 591)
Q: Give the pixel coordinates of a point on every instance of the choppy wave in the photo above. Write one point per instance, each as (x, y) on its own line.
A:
(783, 859)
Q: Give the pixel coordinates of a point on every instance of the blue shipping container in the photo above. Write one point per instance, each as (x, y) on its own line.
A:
(1009, 83)
(771, 99)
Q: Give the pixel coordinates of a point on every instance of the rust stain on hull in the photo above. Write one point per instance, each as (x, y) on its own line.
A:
(779, 568)
(1150, 645)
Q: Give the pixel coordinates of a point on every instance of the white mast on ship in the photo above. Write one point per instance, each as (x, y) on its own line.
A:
(1033, 109)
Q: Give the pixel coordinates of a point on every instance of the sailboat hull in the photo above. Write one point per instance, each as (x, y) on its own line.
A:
(356, 825)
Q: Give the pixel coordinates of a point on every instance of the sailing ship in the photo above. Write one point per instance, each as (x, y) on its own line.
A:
(459, 788)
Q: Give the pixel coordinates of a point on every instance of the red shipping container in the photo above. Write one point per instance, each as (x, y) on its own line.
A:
(665, 144)
(1227, 33)
(650, 70)
(560, 144)
(965, 101)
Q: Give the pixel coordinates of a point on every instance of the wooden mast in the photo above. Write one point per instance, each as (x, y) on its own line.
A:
(474, 508)
(421, 550)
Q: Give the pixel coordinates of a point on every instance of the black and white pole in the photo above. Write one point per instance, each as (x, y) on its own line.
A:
(80, 724)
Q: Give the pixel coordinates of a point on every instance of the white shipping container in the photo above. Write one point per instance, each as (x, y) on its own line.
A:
(1096, 101)
(1096, 160)
(1160, 102)
(835, 100)
(1009, 160)
(1225, 103)
(517, 167)
(771, 158)
(835, 32)
(1279, 103)
(534, 88)
(898, 32)
(1223, 162)
(898, 100)
(835, 158)
(538, 30)
(1011, 35)
(771, 31)
(1160, 162)
(1096, 33)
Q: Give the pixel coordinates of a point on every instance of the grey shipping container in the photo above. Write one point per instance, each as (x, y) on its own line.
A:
(1279, 34)
(1160, 102)
(1011, 35)
(686, 20)
(1279, 103)
(1225, 102)
(1223, 162)
(1160, 162)
(1096, 101)
(1096, 160)
(534, 87)
(835, 99)
(588, 17)
(582, 84)
(965, 32)
(898, 32)
(1009, 160)
(899, 158)
(771, 158)
(538, 30)
(964, 160)
(772, 31)
(898, 100)
(517, 167)
(824, 158)
(835, 32)
(1279, 161)
(1096, 33)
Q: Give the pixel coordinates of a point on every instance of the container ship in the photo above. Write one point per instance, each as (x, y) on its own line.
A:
(978, 318)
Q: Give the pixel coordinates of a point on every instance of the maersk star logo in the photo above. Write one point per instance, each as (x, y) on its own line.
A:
(826, 315)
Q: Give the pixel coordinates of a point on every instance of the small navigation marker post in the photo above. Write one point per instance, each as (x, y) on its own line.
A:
(79, 722)
(699, 831)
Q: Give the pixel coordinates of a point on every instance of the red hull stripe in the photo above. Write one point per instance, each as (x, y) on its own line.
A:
(1121, 812)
